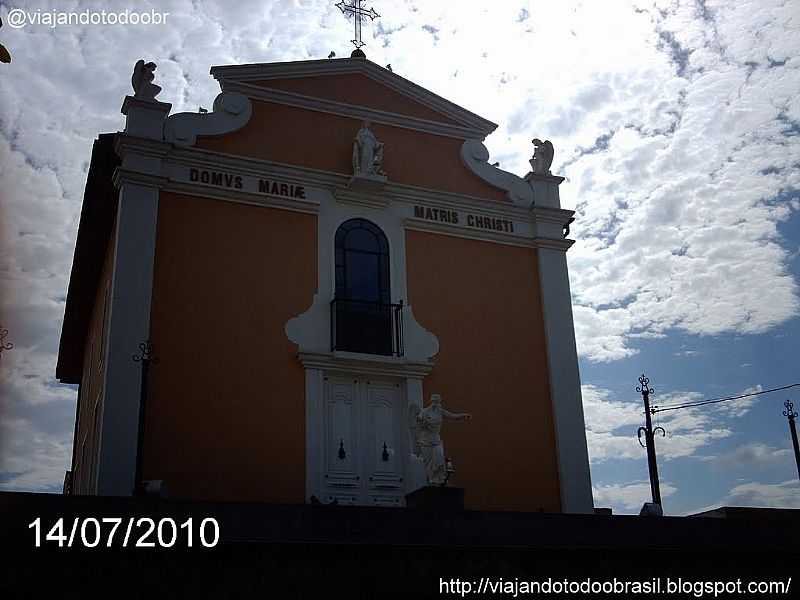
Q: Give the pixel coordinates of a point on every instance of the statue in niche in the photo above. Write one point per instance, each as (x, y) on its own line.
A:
(426, 425)
(367, 153)
(542, 157)
(142, 81)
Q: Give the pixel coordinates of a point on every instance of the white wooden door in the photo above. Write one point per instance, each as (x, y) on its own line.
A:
(364, 446)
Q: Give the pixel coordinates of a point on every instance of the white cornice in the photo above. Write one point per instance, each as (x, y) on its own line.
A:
(551, 244)
(256, 92)
(560, 216)
(396, 192)
(548, 222)
(207, 159)
(469, 234)
(145, 146)
(122, 176)
(367, 364)
(230, 195)
(311, 68)
(361, 199)
(419, 195)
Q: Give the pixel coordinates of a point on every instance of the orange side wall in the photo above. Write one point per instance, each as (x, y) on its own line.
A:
(226, 407)
(486, 310)
(90, 401)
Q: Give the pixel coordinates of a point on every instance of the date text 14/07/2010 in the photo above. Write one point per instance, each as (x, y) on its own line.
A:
(129, 532)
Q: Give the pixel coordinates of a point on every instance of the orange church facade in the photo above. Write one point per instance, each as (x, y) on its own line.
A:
(297, 310)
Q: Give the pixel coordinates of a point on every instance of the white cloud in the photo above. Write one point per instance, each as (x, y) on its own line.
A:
(628, 497)
(776, 495)
(753, 454)
(758, 495)
(611, 425)
(676, 223)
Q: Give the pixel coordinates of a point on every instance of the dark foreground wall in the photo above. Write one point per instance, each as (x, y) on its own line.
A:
(278, 551)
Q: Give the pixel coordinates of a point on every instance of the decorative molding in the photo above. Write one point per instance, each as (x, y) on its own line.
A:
(311, 329)
(208, 159)
(367, 184)
(285, 70)
(124, 144)
(551, 223)
(236, 186)
(359, 198)
(548, 178)
(364, 364)
(411, 194)
(534, 227)
(394, 192)
(232, 111)
(479, 235)
(552, 244)
(256, 92)
(226, 195)
(122, 176)
(418, 341)
(476, 157)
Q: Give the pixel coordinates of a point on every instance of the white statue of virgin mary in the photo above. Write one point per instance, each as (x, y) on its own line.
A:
(367, 152)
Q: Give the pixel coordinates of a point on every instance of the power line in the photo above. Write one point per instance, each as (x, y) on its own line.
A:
(656, 408)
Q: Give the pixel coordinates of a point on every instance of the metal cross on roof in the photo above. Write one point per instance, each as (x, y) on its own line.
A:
(358, 12)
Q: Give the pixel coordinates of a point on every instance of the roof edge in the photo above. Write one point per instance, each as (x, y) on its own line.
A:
(340, 66)
(94, 233)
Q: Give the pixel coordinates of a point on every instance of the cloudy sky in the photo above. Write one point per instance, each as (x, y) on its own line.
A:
(676, 124)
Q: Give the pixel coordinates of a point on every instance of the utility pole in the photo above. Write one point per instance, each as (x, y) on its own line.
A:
(649, 438)
(791, 415)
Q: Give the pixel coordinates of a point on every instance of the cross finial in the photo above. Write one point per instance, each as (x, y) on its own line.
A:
(358, 12)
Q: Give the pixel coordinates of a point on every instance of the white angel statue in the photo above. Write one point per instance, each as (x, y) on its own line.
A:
(426, 425)
(142, 81)
(542, 157)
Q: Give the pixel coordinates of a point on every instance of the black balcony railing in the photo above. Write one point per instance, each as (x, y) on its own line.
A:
(367, 327)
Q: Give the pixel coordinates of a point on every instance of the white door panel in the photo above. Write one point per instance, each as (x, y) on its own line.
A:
(341, 434)
(364, 447)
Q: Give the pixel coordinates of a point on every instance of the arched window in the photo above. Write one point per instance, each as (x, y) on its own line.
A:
(362, 262)
(363, 319)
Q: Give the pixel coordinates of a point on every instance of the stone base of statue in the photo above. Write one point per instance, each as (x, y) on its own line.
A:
(145, 118)
(435, 497)
(545, 189)
(367, 182)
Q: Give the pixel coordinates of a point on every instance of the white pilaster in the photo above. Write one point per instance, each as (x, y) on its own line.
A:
(314, 431)
(565, 385)
(138, 180)
(128, 326)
